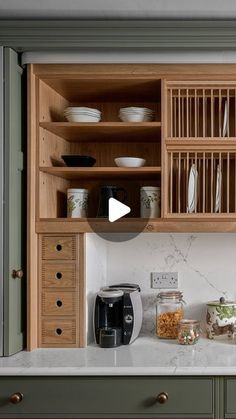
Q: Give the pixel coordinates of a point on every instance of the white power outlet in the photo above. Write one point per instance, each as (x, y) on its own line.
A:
(164, 280)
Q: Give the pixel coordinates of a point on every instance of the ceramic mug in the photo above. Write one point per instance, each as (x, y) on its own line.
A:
(150, 201)
(77, 203)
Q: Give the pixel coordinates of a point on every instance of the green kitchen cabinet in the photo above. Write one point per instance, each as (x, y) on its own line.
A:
(107, 397)
(12, 225)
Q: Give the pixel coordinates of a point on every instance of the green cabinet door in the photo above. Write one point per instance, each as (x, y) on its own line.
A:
(13, 214)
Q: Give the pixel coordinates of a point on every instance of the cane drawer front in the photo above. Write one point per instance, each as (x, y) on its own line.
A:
(59, 332)
(58, 248)
(107, 397)
(58, 303)
(58, 275)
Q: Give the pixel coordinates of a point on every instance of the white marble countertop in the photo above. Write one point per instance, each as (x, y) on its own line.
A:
(146, 356)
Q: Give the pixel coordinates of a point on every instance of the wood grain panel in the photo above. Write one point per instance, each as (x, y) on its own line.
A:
(58, 332)
(58, 247)
(59, 275)
(101, 172)
(32, 238)
(52, 196)
(59, 303)
(51, 104)
(105, 131)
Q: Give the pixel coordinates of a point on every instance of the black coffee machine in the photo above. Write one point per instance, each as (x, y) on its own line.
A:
(117, 315)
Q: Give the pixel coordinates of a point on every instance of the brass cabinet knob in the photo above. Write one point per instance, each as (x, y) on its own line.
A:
(17, 273)
(16, 398)
(162, 397)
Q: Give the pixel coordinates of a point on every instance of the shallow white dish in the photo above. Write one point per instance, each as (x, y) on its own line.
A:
(81, 109)
(82, 118)
(192, 189)
(135, 118)
(218, 189)
(136, 109)
(136, 114)
(130, 162)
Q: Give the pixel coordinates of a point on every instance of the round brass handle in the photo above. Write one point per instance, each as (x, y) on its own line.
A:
(162, 397)
(17, 273)
(16, 398)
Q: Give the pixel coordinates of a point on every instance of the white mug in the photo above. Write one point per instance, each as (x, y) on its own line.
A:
(77, 203)
(150, 201)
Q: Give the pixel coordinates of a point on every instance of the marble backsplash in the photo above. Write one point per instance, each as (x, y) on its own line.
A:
(206, 264)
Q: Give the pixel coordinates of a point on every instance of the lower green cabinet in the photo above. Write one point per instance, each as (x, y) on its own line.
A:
(106, 397)
(230, 397)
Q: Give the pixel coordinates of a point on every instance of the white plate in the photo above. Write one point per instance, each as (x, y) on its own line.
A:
(192, 189)
(81, 109)
(135, 118)
(136, 109)
(225, 122)
(82, 118)
(218, 189)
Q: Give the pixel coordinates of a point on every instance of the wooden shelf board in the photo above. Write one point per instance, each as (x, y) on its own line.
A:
(101, 172)
(105, 131)
(163, 225)
(201, 144)
(202, 140)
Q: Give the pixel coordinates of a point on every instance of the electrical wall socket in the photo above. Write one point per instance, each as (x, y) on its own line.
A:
(164, 279)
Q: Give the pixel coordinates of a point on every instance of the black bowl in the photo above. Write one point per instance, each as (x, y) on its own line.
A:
(75, 160)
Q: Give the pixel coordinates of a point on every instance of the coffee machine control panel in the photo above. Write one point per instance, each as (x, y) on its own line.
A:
(128, 319)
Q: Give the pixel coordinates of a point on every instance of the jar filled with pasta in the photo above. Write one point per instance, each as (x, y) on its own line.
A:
(169, 313)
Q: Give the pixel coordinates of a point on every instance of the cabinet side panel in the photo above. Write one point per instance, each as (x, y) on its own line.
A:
(32, 244)
(81, 290)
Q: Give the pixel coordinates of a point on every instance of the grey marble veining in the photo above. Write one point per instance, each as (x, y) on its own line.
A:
(205, 263)
(146, 356)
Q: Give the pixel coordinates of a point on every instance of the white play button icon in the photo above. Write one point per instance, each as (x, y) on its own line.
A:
(117, 210)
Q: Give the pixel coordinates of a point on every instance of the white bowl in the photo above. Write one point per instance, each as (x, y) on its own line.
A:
(129, 162)
(135, 118)
(82, 118)
(81, 113)
(81, 109)
(136, 109)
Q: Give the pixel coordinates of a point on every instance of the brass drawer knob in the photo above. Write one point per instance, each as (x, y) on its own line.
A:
(17, 273)
(16, 398)
(162, 397)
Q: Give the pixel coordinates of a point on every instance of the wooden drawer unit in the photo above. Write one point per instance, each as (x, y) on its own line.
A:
(97, 397)
(58, 248)
(58, 303)
(58, 275)
(61, 292)
(59, 332)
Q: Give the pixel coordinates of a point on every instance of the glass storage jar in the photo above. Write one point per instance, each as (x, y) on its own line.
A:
(189, 332)
(169, 313)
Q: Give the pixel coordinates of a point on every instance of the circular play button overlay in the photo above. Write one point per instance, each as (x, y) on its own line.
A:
(115, 209)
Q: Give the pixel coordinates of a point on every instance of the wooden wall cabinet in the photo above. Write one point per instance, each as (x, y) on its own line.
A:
(194, 126)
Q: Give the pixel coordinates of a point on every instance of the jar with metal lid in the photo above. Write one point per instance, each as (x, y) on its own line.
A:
(169, 313)
(189, 332)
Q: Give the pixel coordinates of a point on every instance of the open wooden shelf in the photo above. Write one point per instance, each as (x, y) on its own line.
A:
(132, 225)
(105, 131)
(101, 172)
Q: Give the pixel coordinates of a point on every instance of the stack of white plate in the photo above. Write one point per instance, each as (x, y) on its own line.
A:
(82, 114)
(136, 114)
